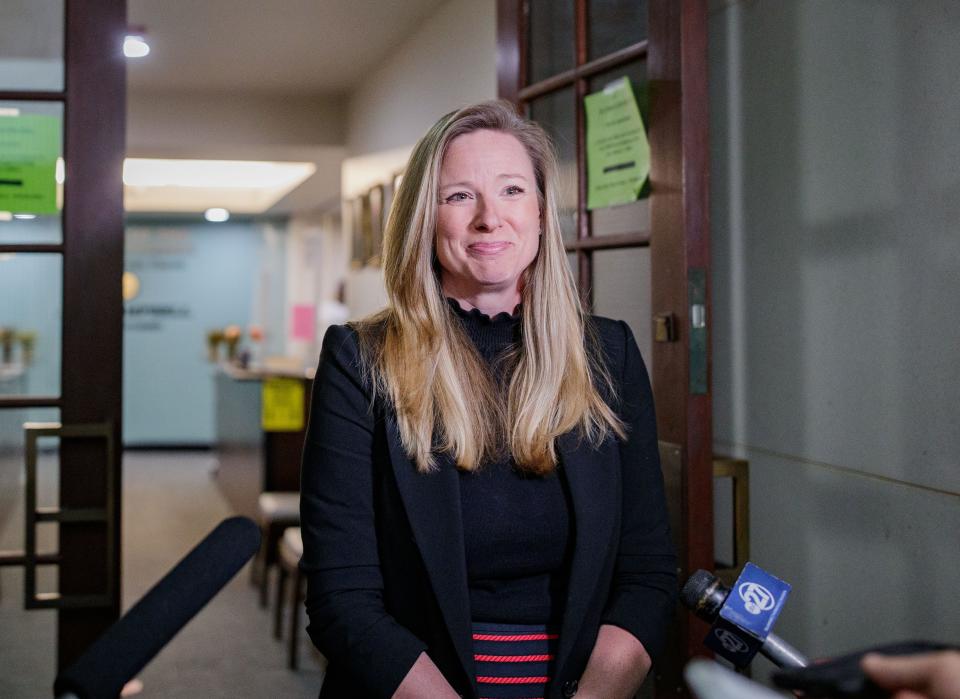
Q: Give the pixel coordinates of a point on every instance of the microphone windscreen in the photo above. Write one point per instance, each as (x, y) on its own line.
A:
(696, 588)
(127, 646)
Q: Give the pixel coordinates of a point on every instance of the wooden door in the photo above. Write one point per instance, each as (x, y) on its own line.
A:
(551, 54)
(64, 87)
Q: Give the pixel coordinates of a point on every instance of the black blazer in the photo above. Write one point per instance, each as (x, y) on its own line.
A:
(384, 546)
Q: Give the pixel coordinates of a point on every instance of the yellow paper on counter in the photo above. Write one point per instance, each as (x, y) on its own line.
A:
(282, 405)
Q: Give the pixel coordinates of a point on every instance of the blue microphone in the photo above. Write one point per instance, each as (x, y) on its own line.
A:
(741, 618)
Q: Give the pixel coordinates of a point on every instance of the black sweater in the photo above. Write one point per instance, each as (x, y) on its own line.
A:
(516, 526)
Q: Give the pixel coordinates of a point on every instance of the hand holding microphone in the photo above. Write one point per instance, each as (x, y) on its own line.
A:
(741, 620)
(924, 676)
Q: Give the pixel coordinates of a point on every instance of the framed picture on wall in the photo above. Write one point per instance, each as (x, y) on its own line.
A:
(366, 229)
(376, 197)
(354, 210)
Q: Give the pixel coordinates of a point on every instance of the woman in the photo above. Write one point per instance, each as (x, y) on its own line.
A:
(482, 506)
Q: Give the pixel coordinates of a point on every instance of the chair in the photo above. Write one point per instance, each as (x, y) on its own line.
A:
(289, 554)
(275, 512)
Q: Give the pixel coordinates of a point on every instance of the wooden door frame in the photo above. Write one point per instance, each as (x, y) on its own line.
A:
(94, 123)
(679, 241)
(92, 359)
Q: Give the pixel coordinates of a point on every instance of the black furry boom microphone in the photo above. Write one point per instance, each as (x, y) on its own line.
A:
(127, 646)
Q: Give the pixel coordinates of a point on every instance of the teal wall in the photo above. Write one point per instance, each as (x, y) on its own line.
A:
(193, 278)
(30, 299)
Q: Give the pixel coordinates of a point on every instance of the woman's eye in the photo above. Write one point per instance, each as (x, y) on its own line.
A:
(513, 190)
(457, 196)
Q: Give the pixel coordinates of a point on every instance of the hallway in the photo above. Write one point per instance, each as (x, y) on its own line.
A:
(171, 501)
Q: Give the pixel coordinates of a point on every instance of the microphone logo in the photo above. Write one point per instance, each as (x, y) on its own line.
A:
(756, 598)
(730, 641)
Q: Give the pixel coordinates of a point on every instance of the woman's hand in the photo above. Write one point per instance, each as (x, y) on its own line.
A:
(921, 676)
(617, 666)
(425, 681)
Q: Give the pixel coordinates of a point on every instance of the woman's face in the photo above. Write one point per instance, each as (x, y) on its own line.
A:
(488, 219)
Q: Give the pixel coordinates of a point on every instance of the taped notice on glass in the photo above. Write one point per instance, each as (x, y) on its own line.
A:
(618, 153)
(29, 148)
(282, 405)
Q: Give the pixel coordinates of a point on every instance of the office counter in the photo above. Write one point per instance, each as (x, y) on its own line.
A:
(240, 433)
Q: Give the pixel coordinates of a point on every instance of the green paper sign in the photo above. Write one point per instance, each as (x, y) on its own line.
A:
(29, 148)
(618, 154)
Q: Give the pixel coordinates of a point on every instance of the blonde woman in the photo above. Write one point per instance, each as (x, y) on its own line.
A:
(482, 505)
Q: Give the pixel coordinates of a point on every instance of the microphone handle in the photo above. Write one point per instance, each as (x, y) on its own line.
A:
(782, 653)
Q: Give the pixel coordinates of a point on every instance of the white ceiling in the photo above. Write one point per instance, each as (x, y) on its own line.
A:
(279, 46)
(274, 49)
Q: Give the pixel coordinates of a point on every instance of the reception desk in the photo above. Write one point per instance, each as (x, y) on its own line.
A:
(239, 410)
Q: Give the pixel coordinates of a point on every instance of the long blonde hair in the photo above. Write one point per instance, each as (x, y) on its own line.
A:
(420, 359)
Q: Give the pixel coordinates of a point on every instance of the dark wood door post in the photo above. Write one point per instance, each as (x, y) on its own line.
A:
(94, 144)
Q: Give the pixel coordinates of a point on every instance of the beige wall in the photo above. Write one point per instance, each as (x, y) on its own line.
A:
(450, 62)
(192, 120)
(836, 263)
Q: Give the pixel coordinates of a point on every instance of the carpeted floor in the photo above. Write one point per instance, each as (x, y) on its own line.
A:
(171, 501)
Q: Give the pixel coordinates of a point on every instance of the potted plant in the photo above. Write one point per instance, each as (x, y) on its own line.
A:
(28, 340)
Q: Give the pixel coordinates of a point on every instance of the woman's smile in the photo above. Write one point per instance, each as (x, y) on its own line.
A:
(485, 249)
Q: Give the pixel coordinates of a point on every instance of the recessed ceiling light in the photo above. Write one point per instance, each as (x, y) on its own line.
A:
(135, 46)
(216, 214)
(241, 186)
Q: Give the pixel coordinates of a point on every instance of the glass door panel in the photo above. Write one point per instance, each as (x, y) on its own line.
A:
(31, 299)
(556, 113)
(615, 24)
(621, 290)
(26, 633)
(31, 45)
(550, 36)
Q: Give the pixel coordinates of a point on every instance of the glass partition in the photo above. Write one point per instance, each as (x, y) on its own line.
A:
(556, 113)
(25, 631)
(621, 290)
(615, 24)
(31, 45)
(31, 302)
(550, 26)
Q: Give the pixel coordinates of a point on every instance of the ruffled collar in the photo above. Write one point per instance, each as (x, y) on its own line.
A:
(477, 316)
(489, 335)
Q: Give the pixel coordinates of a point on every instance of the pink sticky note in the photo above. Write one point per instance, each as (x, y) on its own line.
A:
(304, 324)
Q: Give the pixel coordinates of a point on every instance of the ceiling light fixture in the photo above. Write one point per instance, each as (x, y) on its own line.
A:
(241, 186)
(216, 214)
(134, 43)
